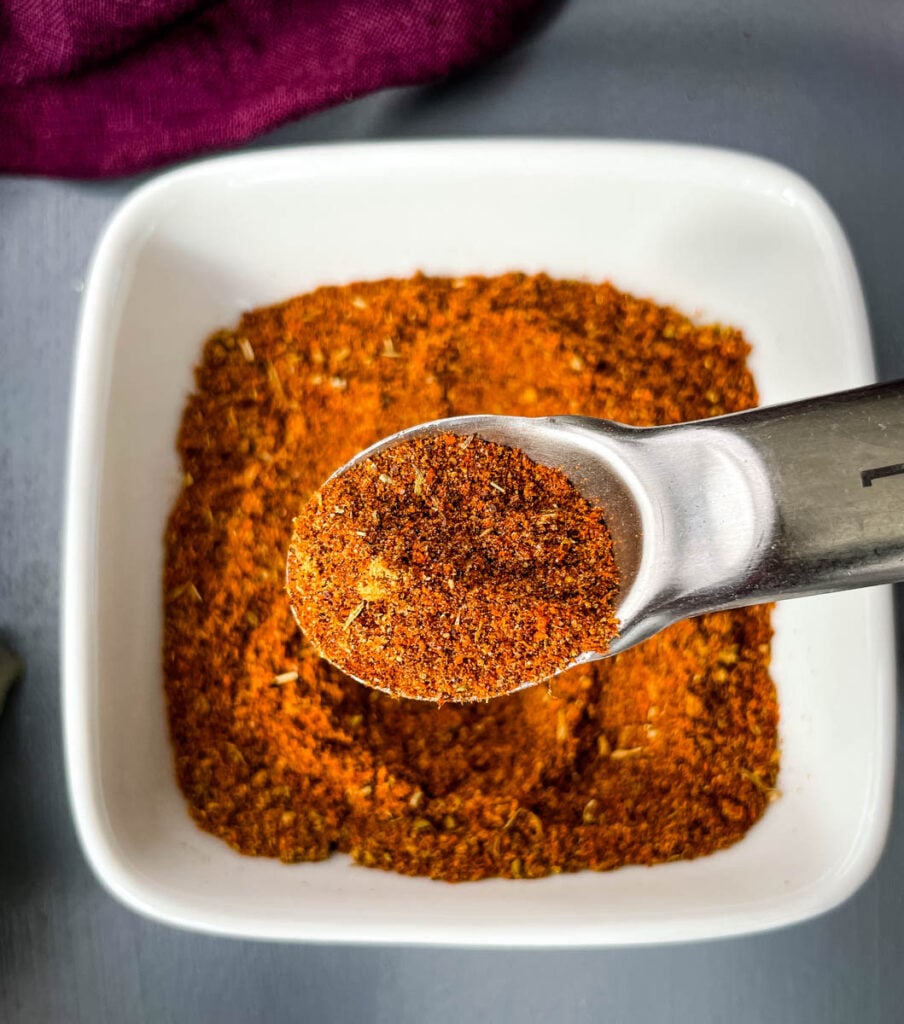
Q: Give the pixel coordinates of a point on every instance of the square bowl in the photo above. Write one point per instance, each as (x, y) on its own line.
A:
(720, 235)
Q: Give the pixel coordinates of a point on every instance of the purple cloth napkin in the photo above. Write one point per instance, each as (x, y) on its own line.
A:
(91, 88)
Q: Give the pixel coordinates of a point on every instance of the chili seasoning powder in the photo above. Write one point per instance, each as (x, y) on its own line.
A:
(452, 568)
(666, 751)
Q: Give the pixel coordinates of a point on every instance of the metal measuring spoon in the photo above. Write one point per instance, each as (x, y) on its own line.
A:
(777, 502)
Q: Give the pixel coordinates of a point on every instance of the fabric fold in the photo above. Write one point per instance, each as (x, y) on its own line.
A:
(90, 88)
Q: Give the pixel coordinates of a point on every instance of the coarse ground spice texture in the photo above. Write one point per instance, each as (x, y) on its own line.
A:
(667, 751)
(452, 568)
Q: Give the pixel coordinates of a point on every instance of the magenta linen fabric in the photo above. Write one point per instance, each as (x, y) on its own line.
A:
(91, 88)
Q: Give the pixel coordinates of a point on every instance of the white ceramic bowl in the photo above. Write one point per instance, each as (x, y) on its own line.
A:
(724, 236)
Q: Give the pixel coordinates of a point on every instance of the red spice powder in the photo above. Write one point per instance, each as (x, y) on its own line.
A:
(452, 568)
(666, 751)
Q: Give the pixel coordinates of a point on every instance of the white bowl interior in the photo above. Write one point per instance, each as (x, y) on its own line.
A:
(720, 235)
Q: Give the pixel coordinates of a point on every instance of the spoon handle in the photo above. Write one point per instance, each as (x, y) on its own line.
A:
(831, 474)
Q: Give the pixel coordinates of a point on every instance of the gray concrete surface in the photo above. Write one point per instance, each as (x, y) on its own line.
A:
(818, 86)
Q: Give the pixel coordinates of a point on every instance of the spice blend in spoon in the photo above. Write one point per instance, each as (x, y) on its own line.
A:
(452, 568)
